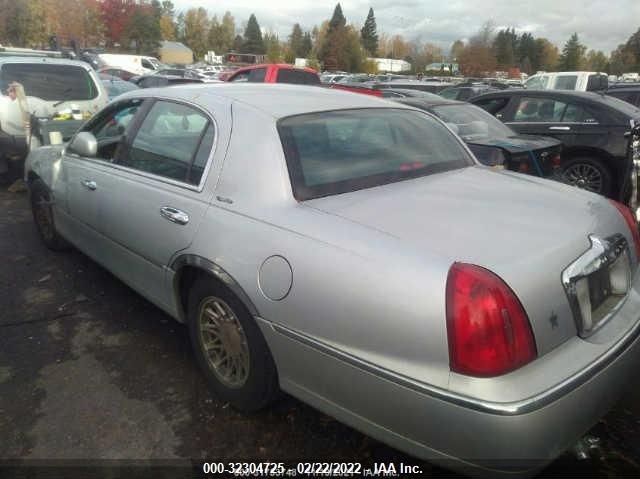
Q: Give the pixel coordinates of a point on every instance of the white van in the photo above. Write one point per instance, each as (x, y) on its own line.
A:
(138, 64)
(577, 81)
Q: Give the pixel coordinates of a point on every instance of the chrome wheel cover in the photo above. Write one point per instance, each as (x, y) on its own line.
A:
(224, 342)
(585, 176)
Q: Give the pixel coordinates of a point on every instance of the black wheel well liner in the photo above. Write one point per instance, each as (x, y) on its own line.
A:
(189, 268)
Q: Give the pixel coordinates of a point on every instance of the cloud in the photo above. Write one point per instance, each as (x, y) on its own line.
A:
(600, 24)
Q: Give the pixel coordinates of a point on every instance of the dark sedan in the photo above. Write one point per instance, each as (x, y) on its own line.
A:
(593, 128)
(492, 142)
(464, 93)
(625, 92)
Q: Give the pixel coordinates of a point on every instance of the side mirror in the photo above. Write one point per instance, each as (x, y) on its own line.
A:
(598, 83)
(84, 144)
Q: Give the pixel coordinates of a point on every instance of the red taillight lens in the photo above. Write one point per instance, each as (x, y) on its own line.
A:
(556, 162)
(524, 167)
(631, 223)
(488, 330)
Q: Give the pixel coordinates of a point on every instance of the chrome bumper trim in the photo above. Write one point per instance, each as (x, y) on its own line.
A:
(515, 408)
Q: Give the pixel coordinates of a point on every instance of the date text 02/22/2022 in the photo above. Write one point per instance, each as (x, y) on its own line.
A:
(280, 469)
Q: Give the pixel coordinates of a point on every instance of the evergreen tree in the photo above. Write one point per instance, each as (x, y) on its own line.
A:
(572, 57)
(337, 20)
(307, 45)
(369, 34)
(295, 41)
(253, 37)
(528, 54)
(237, 43)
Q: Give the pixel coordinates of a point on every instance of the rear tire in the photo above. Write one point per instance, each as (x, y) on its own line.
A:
(40, 199)
(588, 173)
(230, 348)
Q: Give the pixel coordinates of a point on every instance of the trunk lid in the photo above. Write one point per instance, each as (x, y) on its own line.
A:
(524, 229)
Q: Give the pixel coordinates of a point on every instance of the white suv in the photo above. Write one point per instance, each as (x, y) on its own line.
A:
(50, 85)
(578, 81)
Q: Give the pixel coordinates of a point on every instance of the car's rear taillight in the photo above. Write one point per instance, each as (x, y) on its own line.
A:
(556, 161)
(631, 223)
(488, 330)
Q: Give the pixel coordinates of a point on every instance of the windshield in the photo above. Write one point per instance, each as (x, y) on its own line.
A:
(449, 93)
(337, 152)
(471, 122)
(118, 87)
(49, 82)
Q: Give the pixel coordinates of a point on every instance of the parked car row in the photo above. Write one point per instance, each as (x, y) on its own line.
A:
(397, 284)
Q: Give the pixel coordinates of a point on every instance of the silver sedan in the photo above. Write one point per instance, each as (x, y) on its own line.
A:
(353, 253)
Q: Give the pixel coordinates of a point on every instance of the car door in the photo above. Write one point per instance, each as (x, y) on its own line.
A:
(152, 198)
(545, 116)
(77, 197)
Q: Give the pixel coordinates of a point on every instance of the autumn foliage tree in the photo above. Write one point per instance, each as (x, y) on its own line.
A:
(115, 14)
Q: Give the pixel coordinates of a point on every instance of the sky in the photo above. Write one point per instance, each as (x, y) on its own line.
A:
(600, 24)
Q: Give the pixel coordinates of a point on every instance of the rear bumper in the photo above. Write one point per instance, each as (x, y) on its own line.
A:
(458, 433)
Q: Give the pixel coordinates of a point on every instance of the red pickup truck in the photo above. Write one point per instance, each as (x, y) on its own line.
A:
(276, 73)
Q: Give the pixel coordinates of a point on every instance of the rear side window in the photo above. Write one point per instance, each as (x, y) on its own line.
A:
(173, 141)
(50, 82)
(628, 96)
(257, 75)
(340, 151)
(539, 110)
(298, 77)
(566, 82)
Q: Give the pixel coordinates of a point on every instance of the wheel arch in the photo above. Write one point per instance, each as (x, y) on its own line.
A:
(189, 268)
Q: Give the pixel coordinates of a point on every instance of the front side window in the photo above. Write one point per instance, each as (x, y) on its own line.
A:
(147, 64)
(536, 110)
(111, 126)
(346, 150)
(241, 77)
(49, 82)
(171, 142)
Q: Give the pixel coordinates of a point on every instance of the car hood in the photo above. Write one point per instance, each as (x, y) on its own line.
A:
(519, 143)
(526, 230)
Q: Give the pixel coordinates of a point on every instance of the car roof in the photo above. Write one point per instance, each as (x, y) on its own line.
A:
(47, 60)
(276, 100)
(427, 102)
(279, 66)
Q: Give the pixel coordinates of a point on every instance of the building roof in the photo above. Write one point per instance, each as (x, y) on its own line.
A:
(165, 45)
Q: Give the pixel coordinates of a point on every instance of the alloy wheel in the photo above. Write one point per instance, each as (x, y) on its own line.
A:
(224, 342)
(584, 176)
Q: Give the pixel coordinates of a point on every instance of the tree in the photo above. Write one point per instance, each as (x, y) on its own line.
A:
(238, 41)
(369, 34)
(180, 27)
(307, 45)
(142, 29)
(456, 49)
(168, 8)
(505, 46)
(115, 14)
(547, 55)
(196, 28)
(253, 42)
(272, 47)
(334, 39)
(295, 41)
(478, 57)
(222, 34)
(167, 28)
(597, 61)
(572, 57)
(528, 54)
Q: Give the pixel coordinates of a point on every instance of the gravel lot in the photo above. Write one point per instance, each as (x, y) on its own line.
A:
(90, 370)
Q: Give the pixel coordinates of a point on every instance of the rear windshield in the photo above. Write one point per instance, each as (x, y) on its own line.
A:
(337, 152)
(299, 77)
(50, 82)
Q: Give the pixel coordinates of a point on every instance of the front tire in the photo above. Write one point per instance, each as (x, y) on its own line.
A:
(230, 348)
(589, 174)
(42, 211)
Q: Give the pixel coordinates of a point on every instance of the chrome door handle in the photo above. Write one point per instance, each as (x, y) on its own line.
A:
(174, 215)
(89, 184)
(560, 128)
